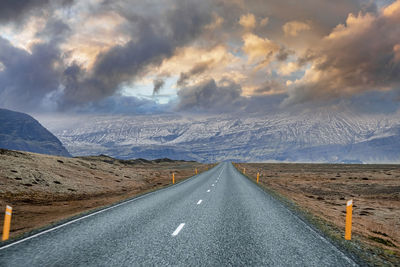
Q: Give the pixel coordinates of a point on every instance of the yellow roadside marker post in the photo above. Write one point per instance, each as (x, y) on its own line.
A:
(258, 176)
(349, 211)
(244, 170)
(196, 171)
(173, 178)
(7, 223)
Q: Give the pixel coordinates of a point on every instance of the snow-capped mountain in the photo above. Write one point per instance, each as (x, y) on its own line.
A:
(305, 137)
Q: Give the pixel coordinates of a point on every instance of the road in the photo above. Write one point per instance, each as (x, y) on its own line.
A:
(217, 218)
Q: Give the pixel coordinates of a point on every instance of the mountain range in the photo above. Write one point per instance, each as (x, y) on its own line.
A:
(310, 136)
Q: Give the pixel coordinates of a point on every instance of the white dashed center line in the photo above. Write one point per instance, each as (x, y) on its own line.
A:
(199, 202)
(176, 232)
(212, 185)
(208, 190)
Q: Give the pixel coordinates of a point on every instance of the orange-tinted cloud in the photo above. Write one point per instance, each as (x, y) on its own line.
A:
(259, 50)
(355, 57)
(392, 11)
(95, 35)
(109, 45)
(248, 21)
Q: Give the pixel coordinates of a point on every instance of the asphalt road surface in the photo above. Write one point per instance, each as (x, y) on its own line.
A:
(217, 218)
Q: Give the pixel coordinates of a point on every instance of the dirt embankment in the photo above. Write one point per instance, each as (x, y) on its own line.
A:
(323, 189)
(45, 189)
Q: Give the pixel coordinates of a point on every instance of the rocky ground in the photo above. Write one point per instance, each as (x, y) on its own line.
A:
(323, 190)
(45, 189)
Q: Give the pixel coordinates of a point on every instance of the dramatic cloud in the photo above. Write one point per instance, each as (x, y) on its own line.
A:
(152, 41)
(11, 10)
(355, 57)
(284, 54)
(209, 97)
(18, 11)
(119, 64)
(213, 98)
(27, 78)
(215, 56)
(259, 50)
(158, 84)
(122, 63)
(197, 69)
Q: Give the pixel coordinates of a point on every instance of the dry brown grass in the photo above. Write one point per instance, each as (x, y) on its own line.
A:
(323, 189)
(45, 189)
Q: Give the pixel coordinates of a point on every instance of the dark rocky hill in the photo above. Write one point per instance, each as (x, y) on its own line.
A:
(19, 131)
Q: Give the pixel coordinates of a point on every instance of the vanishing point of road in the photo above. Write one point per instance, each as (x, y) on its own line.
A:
(217, 218)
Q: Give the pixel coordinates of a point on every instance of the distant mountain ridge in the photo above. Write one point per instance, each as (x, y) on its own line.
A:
(301, 137)
(19, 131)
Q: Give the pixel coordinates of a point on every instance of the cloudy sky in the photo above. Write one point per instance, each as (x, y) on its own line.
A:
(208, 56)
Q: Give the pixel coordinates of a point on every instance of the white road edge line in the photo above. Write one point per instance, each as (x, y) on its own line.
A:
(91, 214)
(199, 202)
(176, 232)
(349, 260)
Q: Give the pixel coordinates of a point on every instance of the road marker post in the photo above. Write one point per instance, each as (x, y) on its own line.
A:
(258, 177)
(195, 171)
(7, 223)
(173, 178)
(349, 212)
(244, 170)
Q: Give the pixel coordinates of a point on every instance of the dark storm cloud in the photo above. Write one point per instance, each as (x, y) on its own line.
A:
(155, 30)
(283, 54)
(188, 19)
(158, 84)
(207, 96)
(119, 64)
(212, 98)
(17, 11)
(55, 31)
(197, 69)
(154, 39)
(12, 10)
(28, 77)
